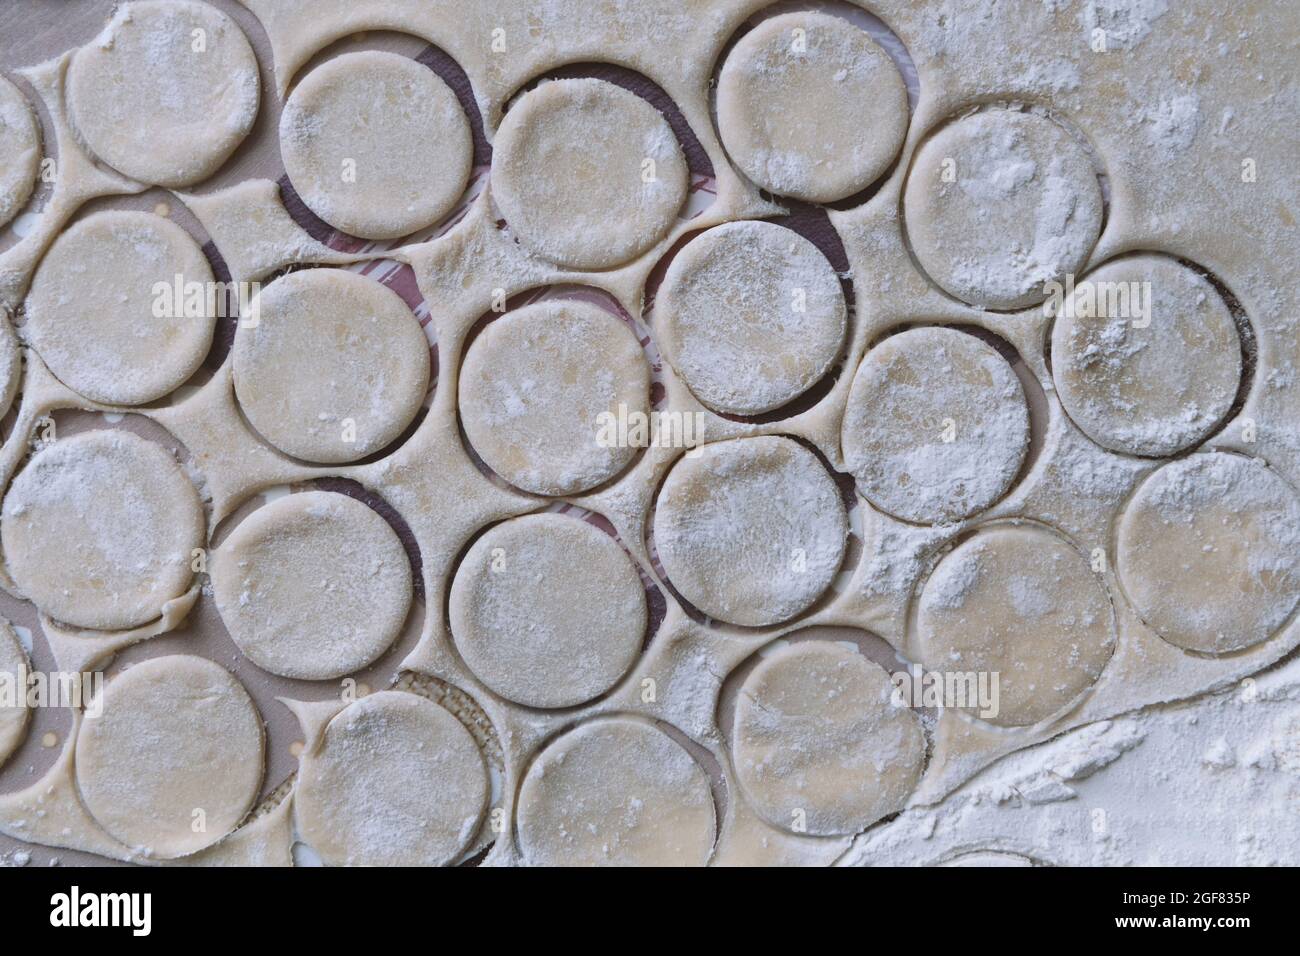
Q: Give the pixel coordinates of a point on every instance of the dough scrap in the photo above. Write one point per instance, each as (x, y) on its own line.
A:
(330, 347)
(395, 126)
(313, 585)
(98, 530)
(571, 173)
(14, 668)
(810, 106)
(1208, 551)
(20, 150)
(548, 611)
(534, 386)
(751, 315)
(937, 425)
(396, 781)
(93, 311)
(616, 791)
(751, 531)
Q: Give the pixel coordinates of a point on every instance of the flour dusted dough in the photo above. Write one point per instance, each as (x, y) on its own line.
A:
(751, 315)
(587, 174)
(13, 672)
(396, 781)
(376, 144)
(98, 530)
(616, 791)
(99, 318)
(548, 611)
(750, 531)
(332, 353)
(1208, 551)
(11, 366)
(314, 585)
(1151, 390)
(175, 760)
(20, 150)
(818, 741)
(936, 427)
(534, 386)
(166, 92)
(810, 106)
(1019, 602)
(998, 203)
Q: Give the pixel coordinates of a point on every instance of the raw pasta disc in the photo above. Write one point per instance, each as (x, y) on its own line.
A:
(11, 366)
(13, 672)
(20, 150)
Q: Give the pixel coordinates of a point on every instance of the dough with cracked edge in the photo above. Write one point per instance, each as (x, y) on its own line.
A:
(94, 303)
(817, 115)
(616, 791)
(396, 781)
(1152, 390)
(154, 106)
(536, 387)
(20, 150)
(751, 315)
(999, 203)
(547, 610)
(330, 347)
(313, 585)
(1019, 602)
(398, 124)
(13, 671)
(570, 173)
(98, 530)
(817, 731)
(174, 736)
(751, 531)
(1208, 551)
(936, 427)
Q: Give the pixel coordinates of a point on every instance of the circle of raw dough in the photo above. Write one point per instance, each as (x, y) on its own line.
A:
(334, 355)
(13, 670)
(376, 144)
(616, 791)
(1150, 384)
(547, 611)
(1208, 551)
(587, 174)
(819, 742)
(11, 366)
(20, 150)
(936, 427)
(312, 586)
(166, 92)
(98, 530)
(1021, 603)
(810, 106)
(174, 736)
(752, 530)
(536, 386)
(396, 781)
(94, 303)
(751, 315)
(998, 204)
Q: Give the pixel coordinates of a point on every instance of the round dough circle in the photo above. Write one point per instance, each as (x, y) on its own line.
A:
(547, 611)
(14, 668)
(92, 308)
(998, 204)
(1204, 528)
(937, 425)
(570, 171)
(810, 106)
(391, 121)
(616, 791)
(98, 530)
(1019, 602)
(20, 150)
(11, 366)
(1152, 390)
(751, 531)
(330, 347)
(313, 586)
(396, 781)
(535, 386)
(751, 315)
(818, 740)
(153, 106)
(175, 735)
